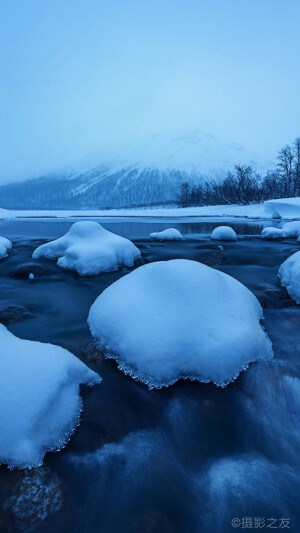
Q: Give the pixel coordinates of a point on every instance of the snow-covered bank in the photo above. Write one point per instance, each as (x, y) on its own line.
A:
(39, 398)
(249, 211)
(179, 319)
(5, 213)
(285, 208)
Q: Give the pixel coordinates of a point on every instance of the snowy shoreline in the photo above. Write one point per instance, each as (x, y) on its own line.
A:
(284, 209)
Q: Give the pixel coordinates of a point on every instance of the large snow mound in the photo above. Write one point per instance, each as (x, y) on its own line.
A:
(170, 234)
(283, 208)
(223, 233)
(39, 398)
(5, 246)
(289, 273)
(179, 319)
(89, 249)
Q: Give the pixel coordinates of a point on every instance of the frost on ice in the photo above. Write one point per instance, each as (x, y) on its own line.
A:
(170, 234)
(289, 273)
(39, 398)
(89, 249)
(179, 319)
(5, 246)
(223, 233)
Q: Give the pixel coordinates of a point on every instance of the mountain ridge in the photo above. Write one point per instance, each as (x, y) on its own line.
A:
(144, 173)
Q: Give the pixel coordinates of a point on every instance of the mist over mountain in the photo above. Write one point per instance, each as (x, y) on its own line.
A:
(143, 172)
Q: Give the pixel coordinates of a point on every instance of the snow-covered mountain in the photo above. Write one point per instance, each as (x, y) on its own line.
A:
(141, 173)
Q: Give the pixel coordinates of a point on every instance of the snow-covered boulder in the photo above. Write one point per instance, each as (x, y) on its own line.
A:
(291, 229)
(223, 233)
(283, 208)
(39, 398)
(272, 233)
(170, 234)
(179, 319)
(289, 274)
(89, 249)
(5, 246)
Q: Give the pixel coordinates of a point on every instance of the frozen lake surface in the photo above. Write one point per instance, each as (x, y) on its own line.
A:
(188, 458)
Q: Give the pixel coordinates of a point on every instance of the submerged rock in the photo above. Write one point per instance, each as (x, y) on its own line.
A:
(36, 495)
(13, 313)
(91, 353)
(36, 269)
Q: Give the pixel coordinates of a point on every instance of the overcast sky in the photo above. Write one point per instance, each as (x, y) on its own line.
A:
(80, 75)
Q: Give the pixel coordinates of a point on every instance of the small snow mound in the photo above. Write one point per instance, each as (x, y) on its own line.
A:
(224, 233)
(272, 233)
(179, 319)
(89, 249)
(5, 246)
(289, 274)
(39, 398)
(170, 234)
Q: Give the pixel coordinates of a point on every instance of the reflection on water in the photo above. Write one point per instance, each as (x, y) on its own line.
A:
(132, 229)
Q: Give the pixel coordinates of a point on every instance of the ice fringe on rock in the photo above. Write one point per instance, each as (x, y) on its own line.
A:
(179, 319)
(39, 398)
(89, 249)
(289, 274)
(5, 246)
(170, 234)
(223, 233)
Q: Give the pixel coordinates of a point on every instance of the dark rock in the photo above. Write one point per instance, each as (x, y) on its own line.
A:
(138, 262)
(23, 271)
(212, 258)
(90, 353)
(13, 313)
(273, 297)
(35, 495)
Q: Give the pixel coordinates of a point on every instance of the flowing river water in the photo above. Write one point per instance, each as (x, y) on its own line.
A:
(189, 458)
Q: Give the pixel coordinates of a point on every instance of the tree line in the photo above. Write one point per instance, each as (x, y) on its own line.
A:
(244, 186)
